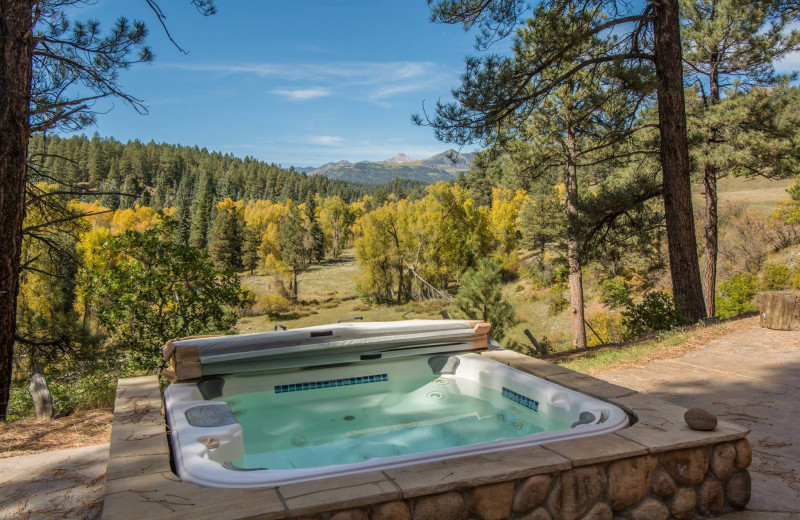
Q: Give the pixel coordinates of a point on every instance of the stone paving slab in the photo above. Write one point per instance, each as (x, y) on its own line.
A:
(476, 470)
(56, 484)
(751, 379)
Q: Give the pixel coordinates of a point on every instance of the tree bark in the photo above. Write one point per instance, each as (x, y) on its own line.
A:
(710, 230)
(710, 238)
(683, 262)
(573, 253)
(15, 82)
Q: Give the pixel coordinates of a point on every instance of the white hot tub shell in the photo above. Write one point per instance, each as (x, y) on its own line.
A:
(207, 438)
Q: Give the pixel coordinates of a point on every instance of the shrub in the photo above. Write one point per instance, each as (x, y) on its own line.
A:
(20, 404)
(557, 301)
(560, 271)
(615, 292)
(608, 326)
(658, 311)
(776, 277)
(735, 295)
(270, 304)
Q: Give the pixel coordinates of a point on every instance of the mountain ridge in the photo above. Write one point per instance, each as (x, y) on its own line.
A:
(442, 166)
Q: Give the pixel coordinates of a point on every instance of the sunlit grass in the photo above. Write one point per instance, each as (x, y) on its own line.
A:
(666, 345)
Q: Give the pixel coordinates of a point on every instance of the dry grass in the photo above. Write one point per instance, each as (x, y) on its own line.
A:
(28, 436)
(761, 195)
(669, 345)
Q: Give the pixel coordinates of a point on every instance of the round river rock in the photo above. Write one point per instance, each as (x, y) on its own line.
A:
(699, 419)
(532, 492)
(722, 459)
(738, 489)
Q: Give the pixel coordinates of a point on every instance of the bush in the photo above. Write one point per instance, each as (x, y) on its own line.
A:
(560, 271)
(776, 277)
(270, 304)
(608, 326)
(658, 311)
(20, 404)
(557, 301)
(615, 292)
(735, 295)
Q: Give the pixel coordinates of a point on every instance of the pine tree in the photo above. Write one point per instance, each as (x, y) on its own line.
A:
(730, 45)
(131, 191)
(97, 165)
(480, 297)
(250, 247)
(161, 197)
(111, 198)
(202, 212)
(293, 250)
(314, 239)
(183, 211)
(226, 237)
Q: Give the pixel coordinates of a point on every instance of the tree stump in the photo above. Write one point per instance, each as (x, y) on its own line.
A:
(780, 310)
(40, 392)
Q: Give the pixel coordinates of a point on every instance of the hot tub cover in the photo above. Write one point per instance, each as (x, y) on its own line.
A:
(199, 356)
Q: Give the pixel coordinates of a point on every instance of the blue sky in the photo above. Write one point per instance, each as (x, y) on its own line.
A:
(297, 83)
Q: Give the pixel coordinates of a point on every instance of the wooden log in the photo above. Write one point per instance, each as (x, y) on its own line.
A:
(780, 310)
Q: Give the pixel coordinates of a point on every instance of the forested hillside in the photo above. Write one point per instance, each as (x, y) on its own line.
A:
(162, 175)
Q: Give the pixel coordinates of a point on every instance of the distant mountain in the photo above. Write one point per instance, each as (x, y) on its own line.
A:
(451, 160)
(444, 166)
(399, 158)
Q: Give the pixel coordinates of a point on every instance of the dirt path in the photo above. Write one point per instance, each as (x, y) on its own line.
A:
(751, 378)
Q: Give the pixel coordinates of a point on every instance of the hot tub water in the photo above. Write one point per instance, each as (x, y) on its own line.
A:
(400, 416)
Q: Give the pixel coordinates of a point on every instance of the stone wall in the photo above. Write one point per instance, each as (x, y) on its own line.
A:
(682, 484)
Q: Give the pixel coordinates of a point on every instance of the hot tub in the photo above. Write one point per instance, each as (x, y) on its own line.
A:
(272, 426)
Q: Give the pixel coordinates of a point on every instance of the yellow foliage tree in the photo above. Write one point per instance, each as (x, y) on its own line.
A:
(506, 206)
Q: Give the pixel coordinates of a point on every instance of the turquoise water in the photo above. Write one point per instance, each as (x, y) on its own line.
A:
(350, 424)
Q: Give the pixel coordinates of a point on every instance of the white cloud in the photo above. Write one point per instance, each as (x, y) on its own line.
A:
(371, 81)
(302, 93)
(324, 140)
(789, 63)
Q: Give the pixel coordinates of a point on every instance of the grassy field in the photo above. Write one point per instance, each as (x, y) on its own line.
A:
(328, 293)
(760, 194)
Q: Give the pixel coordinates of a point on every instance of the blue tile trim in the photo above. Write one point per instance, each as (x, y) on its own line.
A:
(347, 381)
(527, 402)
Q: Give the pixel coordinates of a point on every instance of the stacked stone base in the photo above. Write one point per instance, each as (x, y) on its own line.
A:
(683, 484)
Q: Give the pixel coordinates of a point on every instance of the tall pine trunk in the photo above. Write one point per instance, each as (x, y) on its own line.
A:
(15, 80)
(710, 174)
(710, 238)
(573, 253)
(683, 262)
